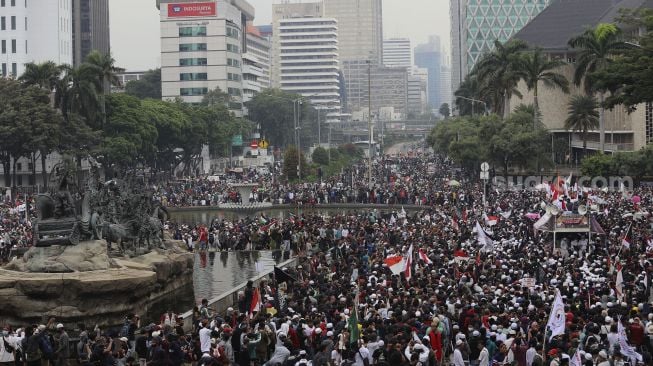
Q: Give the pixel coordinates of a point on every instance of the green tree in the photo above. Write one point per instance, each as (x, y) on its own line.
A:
(444, 110)
(596, 49)
(106, 73)
(583, 116)
(170, 122)
(216, 97)
(320, 156)
(149, 86)
(274, 111)
(129, 137)
(28, 123)
(45, 74)
(498, 74)
(536, 68)
(291, 159)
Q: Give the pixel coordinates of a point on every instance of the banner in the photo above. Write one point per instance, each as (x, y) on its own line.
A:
(192, 10)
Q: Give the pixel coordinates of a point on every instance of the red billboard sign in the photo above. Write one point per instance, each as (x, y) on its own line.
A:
(191, 10)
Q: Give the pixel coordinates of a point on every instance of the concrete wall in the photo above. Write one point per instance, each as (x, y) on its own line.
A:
(554, 106)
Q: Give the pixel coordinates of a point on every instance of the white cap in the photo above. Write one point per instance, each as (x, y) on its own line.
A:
(59, 326)
(459, 342)
(329, 334)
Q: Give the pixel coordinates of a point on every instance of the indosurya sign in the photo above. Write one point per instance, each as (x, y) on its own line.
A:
(191, 10)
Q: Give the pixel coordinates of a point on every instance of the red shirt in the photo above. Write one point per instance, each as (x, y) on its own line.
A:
(636, 334)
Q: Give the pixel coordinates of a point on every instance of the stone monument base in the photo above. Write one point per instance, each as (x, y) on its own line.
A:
(96, 290)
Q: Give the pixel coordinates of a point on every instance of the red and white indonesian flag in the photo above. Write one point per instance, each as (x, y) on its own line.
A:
(255, 306)
(619, 283)
(490, 220)
(408, 270)
(395, 263)
(424, 257)
(627, 239)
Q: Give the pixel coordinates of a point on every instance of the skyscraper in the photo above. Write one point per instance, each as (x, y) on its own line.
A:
(397, 52)
(360, 25)
(90, 28)
(201, 49)
(309, 59)
(476, 24)
(34, 31)
(429, 56)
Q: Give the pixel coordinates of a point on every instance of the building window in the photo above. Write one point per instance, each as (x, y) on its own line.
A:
(2, 3)
(25, 23)
(192, 31)
(3, 23)
(13, 2)
(192, 62)
(13, 46)
(234, 92)
(14, 69)
(13, 22)
(4, 46)
(233, 62)
(233, 48)
(233, 77)
(233, 33)
(188, 47)
(235, 105)
(193, 76)
(4, 69)
(19, 180)
(193, 91)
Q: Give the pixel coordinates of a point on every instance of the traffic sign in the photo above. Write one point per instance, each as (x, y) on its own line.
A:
(485, 175)
(263, 144)
(485, 167)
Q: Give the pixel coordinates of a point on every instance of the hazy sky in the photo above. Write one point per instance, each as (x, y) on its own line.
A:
(135, 26)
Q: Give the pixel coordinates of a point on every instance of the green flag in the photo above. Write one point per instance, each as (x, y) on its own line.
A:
(353, 328)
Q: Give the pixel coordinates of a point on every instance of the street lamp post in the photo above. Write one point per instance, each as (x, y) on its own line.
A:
(474, 101)
(369, 123)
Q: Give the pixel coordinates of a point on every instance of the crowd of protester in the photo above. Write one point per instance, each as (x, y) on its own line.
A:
(477, 286)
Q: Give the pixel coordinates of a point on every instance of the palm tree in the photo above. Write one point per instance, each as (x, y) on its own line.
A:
(45, 74)
(498, 73)
(104, 64)
(536, 68)
(595, 50)
(583, 116)
(77, 93)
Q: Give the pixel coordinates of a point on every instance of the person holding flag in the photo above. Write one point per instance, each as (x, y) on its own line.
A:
(557, 318)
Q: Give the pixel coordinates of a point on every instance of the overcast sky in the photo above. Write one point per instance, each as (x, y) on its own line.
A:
(135, 26)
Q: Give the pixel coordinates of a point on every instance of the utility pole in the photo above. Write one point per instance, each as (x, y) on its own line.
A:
(369, 123)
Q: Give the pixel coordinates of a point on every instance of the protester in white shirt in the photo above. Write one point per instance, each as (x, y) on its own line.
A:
(458, 355)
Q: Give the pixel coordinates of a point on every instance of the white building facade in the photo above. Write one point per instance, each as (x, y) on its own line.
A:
(202, 46)
(397, 52)
(308, 60)
(34, 31)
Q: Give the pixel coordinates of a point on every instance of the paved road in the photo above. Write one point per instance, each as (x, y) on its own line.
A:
(402, 147)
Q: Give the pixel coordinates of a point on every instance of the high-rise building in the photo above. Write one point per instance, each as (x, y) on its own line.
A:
(388, 86)
(308, 59)
(287, 11)
(201, 49)
(34, 31)
(256, 65)
(476, 24)
(429, 56)
(397, 52)
(445, 86)
(90, 28)
(360, 23)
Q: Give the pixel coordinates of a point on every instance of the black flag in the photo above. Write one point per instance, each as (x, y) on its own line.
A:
(280, 276)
